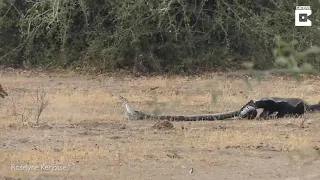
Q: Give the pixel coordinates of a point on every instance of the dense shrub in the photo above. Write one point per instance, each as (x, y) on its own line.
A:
(150, 35)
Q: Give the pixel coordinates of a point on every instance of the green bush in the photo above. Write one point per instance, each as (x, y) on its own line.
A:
(150, 35)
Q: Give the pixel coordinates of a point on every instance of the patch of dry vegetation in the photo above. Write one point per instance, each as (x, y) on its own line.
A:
(85, 126)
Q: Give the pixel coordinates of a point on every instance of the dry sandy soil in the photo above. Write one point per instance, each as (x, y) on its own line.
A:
(83, 131)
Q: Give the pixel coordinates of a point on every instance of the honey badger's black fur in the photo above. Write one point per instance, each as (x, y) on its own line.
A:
(281, 106)
(272, 107)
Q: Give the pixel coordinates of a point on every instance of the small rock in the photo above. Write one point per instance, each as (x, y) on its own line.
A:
(163, 125)
(115, 137)
(56, 150)
(174, 156)
(191, 171)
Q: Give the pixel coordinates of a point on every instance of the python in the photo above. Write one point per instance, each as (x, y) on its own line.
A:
(274, 107)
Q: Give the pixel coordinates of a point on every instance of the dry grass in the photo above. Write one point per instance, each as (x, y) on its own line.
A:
(83, 126)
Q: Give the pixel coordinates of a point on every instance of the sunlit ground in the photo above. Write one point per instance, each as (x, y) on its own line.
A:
(84, 128)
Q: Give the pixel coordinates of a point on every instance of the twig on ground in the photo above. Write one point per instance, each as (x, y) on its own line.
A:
(42, 102)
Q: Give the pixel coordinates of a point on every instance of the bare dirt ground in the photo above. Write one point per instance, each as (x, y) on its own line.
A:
(83, 131)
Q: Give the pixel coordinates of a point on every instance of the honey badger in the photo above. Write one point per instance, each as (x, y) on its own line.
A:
(275, 107)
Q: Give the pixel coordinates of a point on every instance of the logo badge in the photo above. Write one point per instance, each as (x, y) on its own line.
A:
(302, 14)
